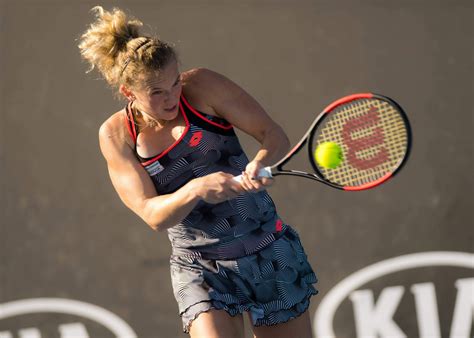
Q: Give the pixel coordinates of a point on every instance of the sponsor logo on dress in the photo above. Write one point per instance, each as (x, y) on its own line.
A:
(279, 225)
(154, 168)
(195, 139)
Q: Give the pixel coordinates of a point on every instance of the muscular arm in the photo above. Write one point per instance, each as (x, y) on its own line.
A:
(135, 188)
(231, 102)
(137, 192)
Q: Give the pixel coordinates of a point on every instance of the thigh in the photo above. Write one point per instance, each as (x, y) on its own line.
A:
(217, 324)
(299, 327)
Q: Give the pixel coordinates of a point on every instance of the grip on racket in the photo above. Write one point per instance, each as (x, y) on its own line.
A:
(264, 172)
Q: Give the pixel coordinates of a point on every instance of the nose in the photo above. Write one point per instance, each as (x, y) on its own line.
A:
(173, 94)
(167, 96)
(170, 99)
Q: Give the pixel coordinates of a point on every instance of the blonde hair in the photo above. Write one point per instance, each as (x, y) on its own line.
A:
(114, 44)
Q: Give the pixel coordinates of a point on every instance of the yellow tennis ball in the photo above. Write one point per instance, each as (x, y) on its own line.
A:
(328, 155)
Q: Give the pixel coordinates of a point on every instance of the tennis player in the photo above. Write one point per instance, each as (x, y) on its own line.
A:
(172, 153)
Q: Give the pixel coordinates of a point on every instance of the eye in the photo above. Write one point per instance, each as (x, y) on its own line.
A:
(157, 92)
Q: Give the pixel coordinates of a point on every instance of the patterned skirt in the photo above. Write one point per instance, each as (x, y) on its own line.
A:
(274, 284)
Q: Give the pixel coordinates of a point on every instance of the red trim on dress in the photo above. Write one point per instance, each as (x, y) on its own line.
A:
(230, 126)
(132, 121)
(160, 155)
(128, 122)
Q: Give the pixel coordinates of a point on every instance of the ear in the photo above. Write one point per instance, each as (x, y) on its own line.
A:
(126, 92)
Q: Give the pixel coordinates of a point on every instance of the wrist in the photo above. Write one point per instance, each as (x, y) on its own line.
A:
(195, 189)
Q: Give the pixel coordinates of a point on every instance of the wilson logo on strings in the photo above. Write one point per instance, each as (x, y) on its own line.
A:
(374, 138)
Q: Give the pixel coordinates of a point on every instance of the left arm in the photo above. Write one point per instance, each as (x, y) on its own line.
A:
(234, 104)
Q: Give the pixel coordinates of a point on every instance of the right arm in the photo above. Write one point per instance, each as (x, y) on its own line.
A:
(137, 192)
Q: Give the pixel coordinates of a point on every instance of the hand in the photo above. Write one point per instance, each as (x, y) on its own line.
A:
(251, 182)
(217, 187)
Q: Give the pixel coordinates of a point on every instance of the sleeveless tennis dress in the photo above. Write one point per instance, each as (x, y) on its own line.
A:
(236, 255)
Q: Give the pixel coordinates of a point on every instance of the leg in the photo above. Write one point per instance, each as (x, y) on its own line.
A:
(217, 324)
(299, 327)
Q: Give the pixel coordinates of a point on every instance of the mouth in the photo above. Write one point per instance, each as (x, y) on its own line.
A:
(171, 109)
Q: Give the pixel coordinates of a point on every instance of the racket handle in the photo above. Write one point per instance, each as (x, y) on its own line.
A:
(264, 172)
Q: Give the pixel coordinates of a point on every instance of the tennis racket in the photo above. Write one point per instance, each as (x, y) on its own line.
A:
(374, 136)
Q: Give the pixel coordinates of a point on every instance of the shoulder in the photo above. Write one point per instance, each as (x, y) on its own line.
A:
(114, 126)
(205, 80)
(200, 76)
(113, 134)
(204, 87)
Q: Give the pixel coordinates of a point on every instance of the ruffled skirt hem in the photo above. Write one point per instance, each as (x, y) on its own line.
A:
(271, 319)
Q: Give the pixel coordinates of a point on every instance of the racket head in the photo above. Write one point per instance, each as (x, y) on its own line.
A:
(374, 135)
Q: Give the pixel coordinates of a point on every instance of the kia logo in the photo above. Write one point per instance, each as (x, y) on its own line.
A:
(105, 318)
(374, 318)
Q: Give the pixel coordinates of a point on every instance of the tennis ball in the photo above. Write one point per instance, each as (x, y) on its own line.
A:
(328, 155)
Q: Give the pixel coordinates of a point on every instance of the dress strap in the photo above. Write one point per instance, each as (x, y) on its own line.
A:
(213, 120)
(130, 122)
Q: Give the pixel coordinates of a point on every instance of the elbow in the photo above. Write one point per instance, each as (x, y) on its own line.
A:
(158, 228)
(149, 217)
(151, 222)
(158, 218)
(155, 223)
(153, 226)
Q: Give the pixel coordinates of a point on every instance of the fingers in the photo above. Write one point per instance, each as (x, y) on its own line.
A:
(251, 180)
(232, 183)
(267, 181)
(256, 183)
(247, 182)
(253, 172)
(222, 186)
(231, 188)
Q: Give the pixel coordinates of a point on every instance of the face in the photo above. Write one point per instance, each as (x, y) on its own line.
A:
(158, 97)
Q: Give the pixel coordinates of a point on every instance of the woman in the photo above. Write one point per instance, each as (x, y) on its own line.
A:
(172, 154)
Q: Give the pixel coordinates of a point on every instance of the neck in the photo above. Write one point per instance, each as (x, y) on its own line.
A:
(146, 119)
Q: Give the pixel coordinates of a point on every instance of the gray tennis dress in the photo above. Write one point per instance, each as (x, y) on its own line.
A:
(236, 255)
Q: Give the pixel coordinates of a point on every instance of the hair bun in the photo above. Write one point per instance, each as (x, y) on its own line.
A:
(107, 37)
(114, 44)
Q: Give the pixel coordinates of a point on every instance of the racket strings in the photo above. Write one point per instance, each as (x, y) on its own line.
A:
(373, 138)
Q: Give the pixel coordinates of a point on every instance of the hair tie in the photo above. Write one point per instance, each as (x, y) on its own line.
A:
(128, 59)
